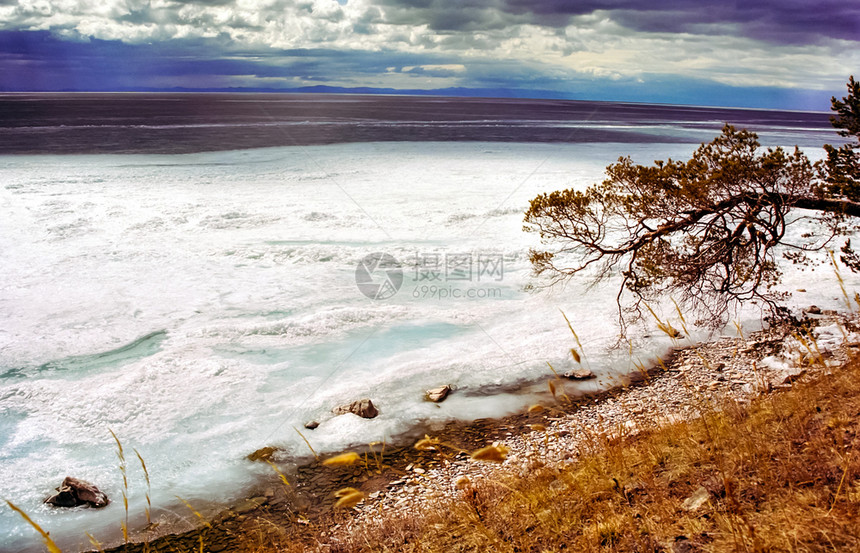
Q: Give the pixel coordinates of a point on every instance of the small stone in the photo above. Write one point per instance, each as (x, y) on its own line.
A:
(695, 501)
(364, 408)
(418, 470)
(310, 425)
(438, 394)
(813, 310)
(579, 374)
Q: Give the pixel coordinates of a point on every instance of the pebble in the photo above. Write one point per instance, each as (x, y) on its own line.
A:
(719, 369)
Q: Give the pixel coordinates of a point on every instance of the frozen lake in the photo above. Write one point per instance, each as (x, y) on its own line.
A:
(202, 305)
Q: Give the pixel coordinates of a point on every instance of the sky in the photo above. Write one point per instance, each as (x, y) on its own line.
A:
(782, 54)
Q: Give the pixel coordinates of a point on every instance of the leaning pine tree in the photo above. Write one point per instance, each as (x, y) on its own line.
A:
(707, 232)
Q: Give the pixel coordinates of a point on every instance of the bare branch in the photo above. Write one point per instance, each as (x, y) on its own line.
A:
(704, 230)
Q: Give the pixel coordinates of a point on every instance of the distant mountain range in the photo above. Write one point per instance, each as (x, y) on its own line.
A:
(323, 89)
(689, 93)
(693, 94)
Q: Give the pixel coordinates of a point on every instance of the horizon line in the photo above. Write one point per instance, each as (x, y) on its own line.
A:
(373, 91)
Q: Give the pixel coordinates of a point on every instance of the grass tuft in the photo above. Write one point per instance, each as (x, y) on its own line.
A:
(148, 509)
(49, 543)
(492, 454)
(123, 469)
(348, 498)
(781, 473)
(342, 459)
(307, 443)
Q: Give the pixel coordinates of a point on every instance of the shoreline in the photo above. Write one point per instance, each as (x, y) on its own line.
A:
(401, 477)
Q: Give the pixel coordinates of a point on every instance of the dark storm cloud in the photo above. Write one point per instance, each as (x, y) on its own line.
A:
(784, 21)
(781, 22)
(450, 15)
(39, 61)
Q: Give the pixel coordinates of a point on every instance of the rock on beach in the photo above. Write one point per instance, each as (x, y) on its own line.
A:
(438, 394)
(74, 492)
(579, 374)
(364, 408)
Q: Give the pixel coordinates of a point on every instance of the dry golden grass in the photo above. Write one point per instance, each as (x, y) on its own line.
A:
(342, 459)
(782, 474)
(46, 537)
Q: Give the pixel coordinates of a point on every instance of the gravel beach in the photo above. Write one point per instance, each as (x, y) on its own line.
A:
(402, 480)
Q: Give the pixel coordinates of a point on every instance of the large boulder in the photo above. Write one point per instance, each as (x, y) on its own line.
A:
(73, 492)
(364, 408)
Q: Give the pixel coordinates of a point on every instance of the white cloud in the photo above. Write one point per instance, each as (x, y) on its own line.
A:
(592, 44)
(448, 67)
